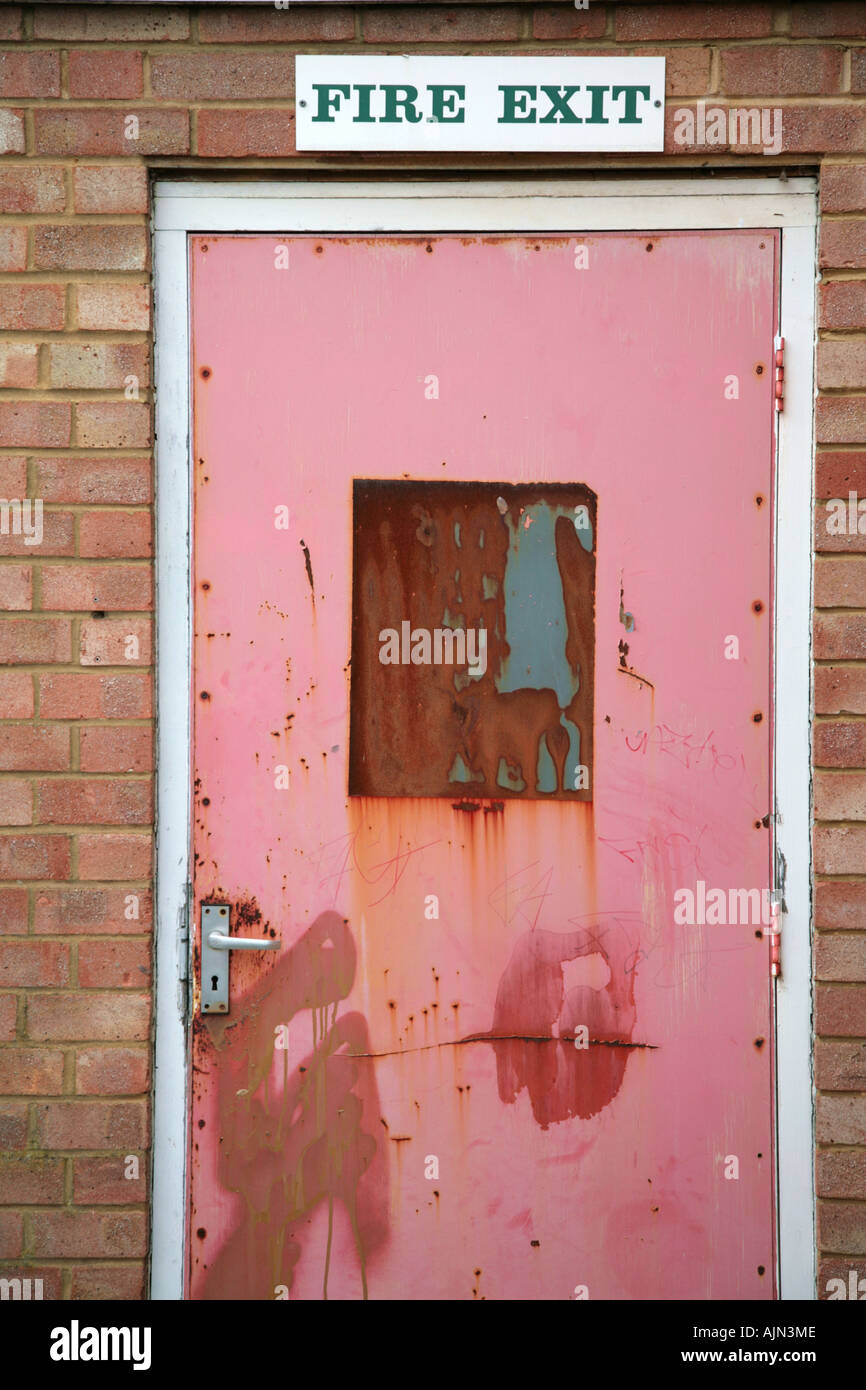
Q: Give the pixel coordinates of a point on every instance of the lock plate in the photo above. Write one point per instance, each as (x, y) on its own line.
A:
(215, 964)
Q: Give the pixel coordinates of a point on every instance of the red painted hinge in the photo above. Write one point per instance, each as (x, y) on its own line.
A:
(780, 373)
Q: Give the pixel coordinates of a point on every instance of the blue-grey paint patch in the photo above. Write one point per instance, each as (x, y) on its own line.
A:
(452, 621)
(457, 540)
(461, 773)
(546, 770)
(509, 778)
(572, 761)
(535, 621)
(489, 586)
(583, 527)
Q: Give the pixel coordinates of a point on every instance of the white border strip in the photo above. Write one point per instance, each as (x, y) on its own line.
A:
(630, 204)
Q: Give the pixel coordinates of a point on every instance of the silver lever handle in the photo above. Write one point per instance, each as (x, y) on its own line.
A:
(218, 941)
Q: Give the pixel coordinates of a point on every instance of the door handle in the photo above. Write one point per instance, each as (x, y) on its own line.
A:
(216, 943)
(219, 942)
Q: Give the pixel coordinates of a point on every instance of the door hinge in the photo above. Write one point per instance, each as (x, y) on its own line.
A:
(779, 386)
(185, 958)
(774, 932)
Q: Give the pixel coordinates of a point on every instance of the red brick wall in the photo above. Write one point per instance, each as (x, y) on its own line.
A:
(212, 88)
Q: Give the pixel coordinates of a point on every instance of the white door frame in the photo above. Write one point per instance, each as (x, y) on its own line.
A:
(530, 205)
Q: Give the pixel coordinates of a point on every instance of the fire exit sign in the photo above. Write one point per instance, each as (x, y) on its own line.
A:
(523, 105)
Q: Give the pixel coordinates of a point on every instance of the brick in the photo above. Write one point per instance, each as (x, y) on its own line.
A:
(842, 1174)
(843, 187)
(13, 248)
(79, 911)
(123, 748)
(109, 1017)
(840, 1119)
(112, 1071)
(11, 131)
(51, 1276)
(116, 535)
(34, 856)
(97, 366)
(441, 24)
(13, 1125)
(106, 307)
(840, 1013)
(840, 690)
(840, 1066)
(8, 1026)
(31, 1071)
(842, 304)
(19, 365)
(842, 1227)
(67, 1234)
(13, 911)
(32, 306)
(840, 743)
(31, 1179)
(105, 73)
(94, 480)
(840, 583)
(842, 364)
(111, 188)
(835, 1268)
(96, 586)
(559, 22)
(84, 130)
(124, 1282)
(16, 694)
(259, 24)
(113, 424)
(41, 424)
(840, 906)
(39, 189)
(33, 963)
(721, 21)
(843, 247)
(222, 76)
(835, 20)
(119, 642)
(58, 536)
(16, 587)
(824, 128)
(841, 957)
(10, 22)
(13, 475)
(108, 857)
(101, 1182)
(97, 801)
(687, 70)
(840, 849)
(114, 964)
(16, 807)
(33, 73)
(840, 636)
(68, 695)
(90, 247)
(11, 1234)
(27, 749)
(145, 23)
(24, 641)
(840, 420)
(234, 134)
(782, 70)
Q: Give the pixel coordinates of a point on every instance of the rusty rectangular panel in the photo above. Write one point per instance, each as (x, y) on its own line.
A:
(473, 636)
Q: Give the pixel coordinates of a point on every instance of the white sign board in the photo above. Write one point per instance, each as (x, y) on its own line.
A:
(523, 105)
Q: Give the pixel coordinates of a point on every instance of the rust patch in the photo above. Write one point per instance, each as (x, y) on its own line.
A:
(472, 640)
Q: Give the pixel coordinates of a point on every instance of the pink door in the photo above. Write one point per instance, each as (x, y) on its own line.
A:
(482, 710)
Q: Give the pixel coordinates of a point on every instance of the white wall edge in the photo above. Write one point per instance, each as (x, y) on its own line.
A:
(635, 204)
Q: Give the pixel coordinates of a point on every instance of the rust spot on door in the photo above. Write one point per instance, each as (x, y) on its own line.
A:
(473, 640)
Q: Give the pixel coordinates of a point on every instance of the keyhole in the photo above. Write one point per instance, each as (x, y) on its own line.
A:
(213, 983)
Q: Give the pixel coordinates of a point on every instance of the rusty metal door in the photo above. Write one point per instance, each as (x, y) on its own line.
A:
(482, 712)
